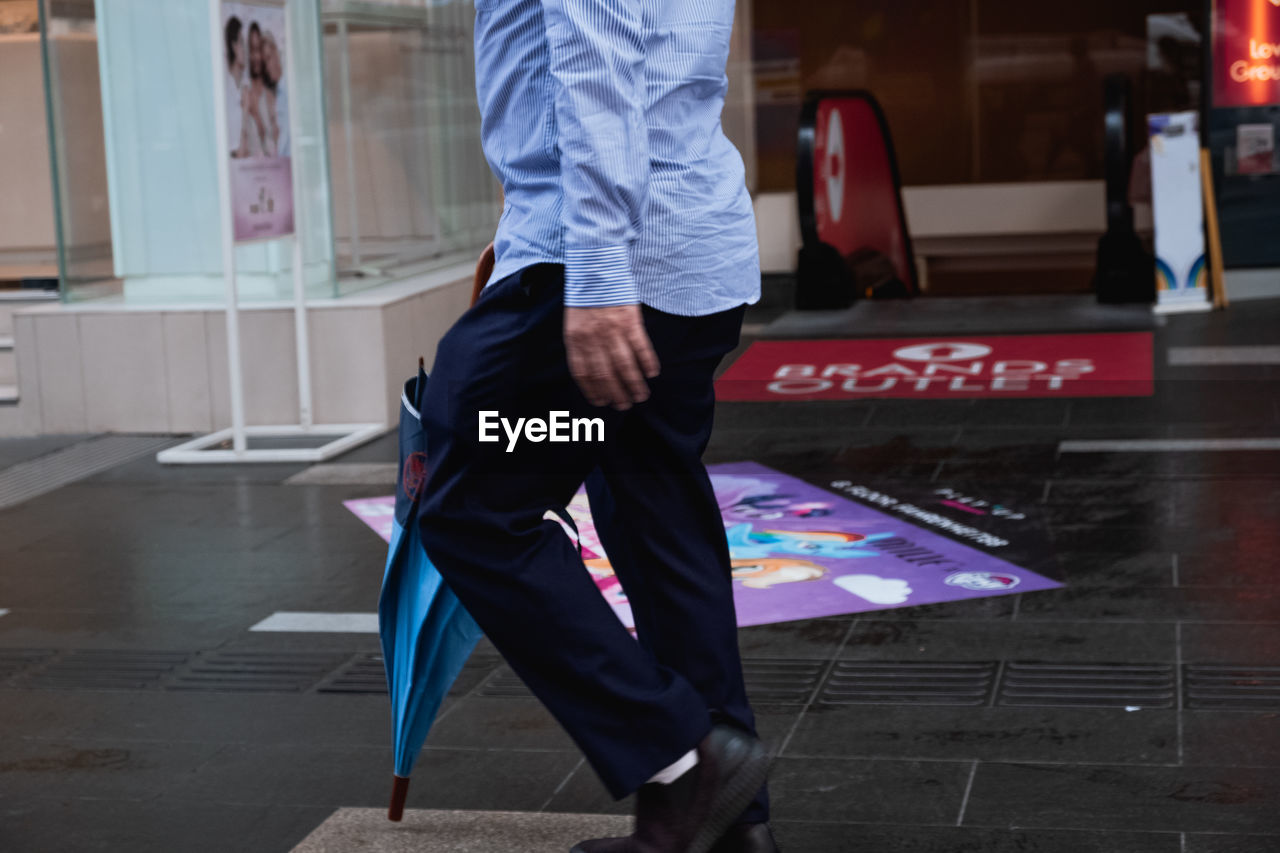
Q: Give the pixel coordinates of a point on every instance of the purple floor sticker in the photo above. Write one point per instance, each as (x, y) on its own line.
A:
(800, 552)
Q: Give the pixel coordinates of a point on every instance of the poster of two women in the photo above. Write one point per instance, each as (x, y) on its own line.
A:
(257, 117)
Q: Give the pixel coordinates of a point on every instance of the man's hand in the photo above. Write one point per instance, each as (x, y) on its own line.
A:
(610, 354)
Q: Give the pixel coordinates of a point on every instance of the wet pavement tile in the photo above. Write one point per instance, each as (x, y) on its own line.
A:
(492, 722)
(79, 825)
(1114, 569)
(1231, 843)
(1154, 604)
(1227, 569)
(328, 775)
(1184, 799)
(807, 638)
(144, 629)
(1187, 537)
(1225, 643)
(16, 450)
(1079, 735)
(1105, 513)
(1230, 465)
(1166, 559)
(59, 715)
(818, 414)
(143, 535)
(97, 767)
(907, 413)
(868, 791)
(1211, 402)
(958, 640)
(251, 718)
(1023, 413)
(911, 838)
(1232, 738)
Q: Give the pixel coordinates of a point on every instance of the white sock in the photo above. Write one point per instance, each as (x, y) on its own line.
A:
(682, 765)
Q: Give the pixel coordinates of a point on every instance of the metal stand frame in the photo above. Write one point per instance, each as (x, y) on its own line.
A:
(207, 448)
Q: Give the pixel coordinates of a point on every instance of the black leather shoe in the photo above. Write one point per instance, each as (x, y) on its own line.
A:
(747, 838)
(692, 813)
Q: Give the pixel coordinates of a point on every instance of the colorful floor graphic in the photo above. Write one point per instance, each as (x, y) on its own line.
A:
(800, 552)
(1088, 365)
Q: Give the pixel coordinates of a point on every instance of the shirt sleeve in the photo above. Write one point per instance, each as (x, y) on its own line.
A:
(597, 63)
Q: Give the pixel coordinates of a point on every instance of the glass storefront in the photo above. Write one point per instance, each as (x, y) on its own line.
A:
(27, 239)
(976, 91)
(391, 180)
(410, 182)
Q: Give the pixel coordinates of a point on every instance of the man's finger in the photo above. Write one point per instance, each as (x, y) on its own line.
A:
(588, 369)
(578, 370)
(612, 387)
(626, 368)
(643, 349)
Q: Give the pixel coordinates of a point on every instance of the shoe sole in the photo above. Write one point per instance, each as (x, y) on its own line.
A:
(733, 800)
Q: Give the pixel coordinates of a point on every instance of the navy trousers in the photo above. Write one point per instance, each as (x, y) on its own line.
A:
(632, 707)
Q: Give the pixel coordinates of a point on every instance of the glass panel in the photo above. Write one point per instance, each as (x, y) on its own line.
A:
(975, 91)
(28, 241)
(131, 111)
(411, 187)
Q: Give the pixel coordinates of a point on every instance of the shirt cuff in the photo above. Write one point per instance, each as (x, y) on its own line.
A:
(598, 277)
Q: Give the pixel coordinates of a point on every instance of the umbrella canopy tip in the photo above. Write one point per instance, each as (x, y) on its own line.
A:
(399, 791)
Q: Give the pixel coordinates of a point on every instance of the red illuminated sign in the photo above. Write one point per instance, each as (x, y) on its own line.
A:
(1101, 365)
(1246, 53)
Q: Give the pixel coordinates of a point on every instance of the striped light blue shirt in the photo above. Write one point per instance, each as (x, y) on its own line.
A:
(601, 118)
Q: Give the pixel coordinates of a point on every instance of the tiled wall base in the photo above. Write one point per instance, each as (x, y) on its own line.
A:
(110, 368)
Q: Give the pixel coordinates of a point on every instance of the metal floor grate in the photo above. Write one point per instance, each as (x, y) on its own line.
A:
(781, 682)
(768, 681)
(14, 661)
(100, 669)
(1227, 687)
(1060, 685)
(256, 671)
(909, 683)
(1207, 687)
(365, 674)
(36, 477)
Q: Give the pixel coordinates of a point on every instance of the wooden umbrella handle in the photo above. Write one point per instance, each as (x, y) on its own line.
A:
(399, 791)
(484, 269)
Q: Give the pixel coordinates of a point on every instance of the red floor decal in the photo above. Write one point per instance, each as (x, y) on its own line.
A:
(1095, 365)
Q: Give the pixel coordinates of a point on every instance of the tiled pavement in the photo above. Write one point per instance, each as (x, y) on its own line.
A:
(139, 714)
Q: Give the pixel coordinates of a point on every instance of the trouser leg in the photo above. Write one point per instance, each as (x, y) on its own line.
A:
(518, 574)
(657, 516)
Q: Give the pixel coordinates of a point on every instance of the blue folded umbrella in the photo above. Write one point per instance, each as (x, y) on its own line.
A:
(427, 635)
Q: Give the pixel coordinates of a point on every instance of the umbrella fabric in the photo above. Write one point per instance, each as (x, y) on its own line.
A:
(427, 635)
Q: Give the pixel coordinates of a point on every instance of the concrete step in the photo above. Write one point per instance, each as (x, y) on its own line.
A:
(12, 301)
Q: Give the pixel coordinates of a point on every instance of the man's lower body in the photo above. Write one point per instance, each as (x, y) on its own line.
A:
(634, 708)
